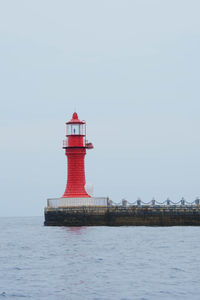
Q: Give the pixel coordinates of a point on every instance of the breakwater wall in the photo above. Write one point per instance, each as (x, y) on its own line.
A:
(123, 216)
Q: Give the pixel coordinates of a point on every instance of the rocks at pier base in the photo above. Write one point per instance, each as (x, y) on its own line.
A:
(121, 216)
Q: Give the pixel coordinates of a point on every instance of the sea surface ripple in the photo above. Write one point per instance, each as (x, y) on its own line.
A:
(145, 263)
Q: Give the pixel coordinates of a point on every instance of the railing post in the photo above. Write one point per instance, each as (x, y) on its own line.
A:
(182, 201)
(124, 202)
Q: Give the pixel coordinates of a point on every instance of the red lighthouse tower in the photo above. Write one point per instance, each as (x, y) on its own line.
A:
(75, 147)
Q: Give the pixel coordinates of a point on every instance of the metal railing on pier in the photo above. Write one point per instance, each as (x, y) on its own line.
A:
(154, 203)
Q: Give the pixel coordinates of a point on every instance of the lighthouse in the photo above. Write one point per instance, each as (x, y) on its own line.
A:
(75, 195)
(75, 146)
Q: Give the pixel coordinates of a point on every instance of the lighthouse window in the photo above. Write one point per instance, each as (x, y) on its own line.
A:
(82, 129)
(75, 129)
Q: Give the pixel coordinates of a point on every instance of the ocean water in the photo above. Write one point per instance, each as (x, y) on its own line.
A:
(38, 262)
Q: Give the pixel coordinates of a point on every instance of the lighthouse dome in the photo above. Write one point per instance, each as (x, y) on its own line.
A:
(75, 116)
(75, 119)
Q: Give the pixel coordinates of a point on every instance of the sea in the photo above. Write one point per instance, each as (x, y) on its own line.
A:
(38, 262)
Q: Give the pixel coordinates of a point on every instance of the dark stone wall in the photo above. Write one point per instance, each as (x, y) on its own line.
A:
(60, 218)
(122, 217)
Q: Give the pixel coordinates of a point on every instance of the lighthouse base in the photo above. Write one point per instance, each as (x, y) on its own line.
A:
(76, 202)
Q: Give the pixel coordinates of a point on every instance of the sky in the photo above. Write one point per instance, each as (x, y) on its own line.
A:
(130, 68)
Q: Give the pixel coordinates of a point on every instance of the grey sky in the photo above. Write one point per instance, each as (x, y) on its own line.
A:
(131, 69)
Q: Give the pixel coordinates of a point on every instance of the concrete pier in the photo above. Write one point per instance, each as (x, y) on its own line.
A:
(123, 216)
